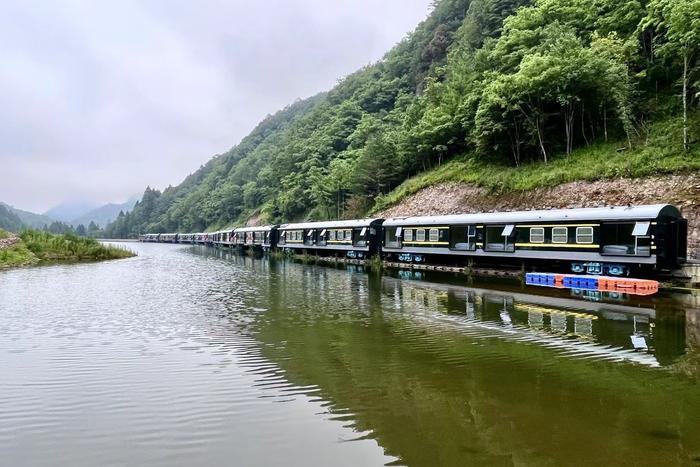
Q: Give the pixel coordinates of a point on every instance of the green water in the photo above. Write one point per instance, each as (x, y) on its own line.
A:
(450, 375)
(190, 356)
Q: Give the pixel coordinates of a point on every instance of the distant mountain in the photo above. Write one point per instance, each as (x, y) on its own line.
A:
(104, 214)
(9, 220)
(66, 212)
(30, 219)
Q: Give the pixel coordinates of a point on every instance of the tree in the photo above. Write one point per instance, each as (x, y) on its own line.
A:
(561, 76)
(678, 25)
(81, 231)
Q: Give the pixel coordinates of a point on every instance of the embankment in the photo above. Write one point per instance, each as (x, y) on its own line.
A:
(35, 247)
(461, 198)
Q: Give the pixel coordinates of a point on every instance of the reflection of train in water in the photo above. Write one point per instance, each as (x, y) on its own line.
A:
(617, 331)
(612, 241)
(603, 325)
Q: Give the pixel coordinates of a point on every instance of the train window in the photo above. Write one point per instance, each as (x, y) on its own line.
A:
(408, 235)
(433, 235)
(560, 235)
(536, 234)
(420, 235)
(619, 239)
(584, 234)
(360, 237)
(496, 241)
(462, 237)
(392, 237)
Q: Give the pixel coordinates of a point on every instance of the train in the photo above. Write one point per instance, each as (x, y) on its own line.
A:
(614, 241)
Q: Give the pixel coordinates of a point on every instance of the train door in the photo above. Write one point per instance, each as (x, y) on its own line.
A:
(672, 241)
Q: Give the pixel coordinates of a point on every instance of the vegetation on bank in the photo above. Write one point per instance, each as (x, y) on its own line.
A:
(35, 247)
(660, 153)
(507, 93)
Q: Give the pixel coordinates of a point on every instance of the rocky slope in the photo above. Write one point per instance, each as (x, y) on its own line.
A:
(8, 242)
(454, 198)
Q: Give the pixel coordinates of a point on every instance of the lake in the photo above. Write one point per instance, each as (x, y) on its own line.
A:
(191, 356)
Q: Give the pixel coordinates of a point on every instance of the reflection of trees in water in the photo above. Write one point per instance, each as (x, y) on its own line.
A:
(689, 364)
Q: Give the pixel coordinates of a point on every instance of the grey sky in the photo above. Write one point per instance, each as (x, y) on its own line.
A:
(99, 99)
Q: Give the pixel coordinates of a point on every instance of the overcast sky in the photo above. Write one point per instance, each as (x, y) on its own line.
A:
(99, 99)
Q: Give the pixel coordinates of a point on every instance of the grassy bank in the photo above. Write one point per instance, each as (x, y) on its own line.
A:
(659, 153)
(36, 247)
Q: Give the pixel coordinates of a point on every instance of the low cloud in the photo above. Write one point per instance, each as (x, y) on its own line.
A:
(100, 99)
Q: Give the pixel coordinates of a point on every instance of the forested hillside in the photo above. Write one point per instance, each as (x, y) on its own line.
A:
(29, 219)
(9, 220)
(490, 87)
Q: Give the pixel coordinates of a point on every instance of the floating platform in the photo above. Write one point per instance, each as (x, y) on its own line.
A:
(602, 283)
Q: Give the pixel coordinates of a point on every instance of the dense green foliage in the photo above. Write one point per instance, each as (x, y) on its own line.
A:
(662, 154)
(36, 246)
(534, 87)
(16, 255)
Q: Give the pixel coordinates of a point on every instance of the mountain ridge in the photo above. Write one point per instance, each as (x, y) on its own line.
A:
(514, 91)
(104, 214)
(29, 219)
(67, 211)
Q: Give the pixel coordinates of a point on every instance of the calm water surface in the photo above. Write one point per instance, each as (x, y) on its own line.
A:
(187, 356)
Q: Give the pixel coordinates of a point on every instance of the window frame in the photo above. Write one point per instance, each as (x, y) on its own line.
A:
(387, 233)
(421, 237)
(578, 234)
(430, 235)
(566, 235)
(408, 235)
(541, 235)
